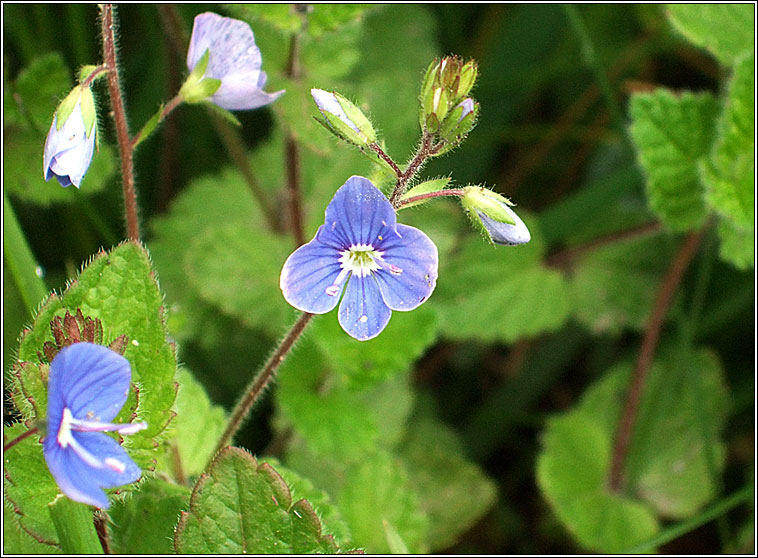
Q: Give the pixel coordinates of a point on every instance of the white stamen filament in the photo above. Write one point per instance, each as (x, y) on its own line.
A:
(359, 260)
(70, 424)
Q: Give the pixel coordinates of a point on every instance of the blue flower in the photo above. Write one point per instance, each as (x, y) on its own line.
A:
(382, 265)
(87, 388)
(69, 149)
(233, 58)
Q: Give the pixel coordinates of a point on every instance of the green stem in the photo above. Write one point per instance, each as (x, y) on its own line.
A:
(590, 58)
(676, 531)
(74, 525)
(21, 262)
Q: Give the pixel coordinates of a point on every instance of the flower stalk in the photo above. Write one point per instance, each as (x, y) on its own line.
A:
(125, 146)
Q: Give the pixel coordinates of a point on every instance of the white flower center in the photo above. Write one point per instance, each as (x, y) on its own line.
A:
(361, 259)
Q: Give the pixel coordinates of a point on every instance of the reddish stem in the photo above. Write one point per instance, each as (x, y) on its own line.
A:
(122, 128)
(379, 151)
(663, 302)
(20, 437)
(451, 192)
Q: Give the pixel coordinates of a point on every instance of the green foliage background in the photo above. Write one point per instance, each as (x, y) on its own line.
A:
(483, 422)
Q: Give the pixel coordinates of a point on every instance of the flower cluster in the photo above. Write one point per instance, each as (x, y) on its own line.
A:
(380, 264)
(87, 388)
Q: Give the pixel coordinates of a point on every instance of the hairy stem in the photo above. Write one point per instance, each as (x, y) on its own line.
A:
(413, 199)
(101, 528)
(424, 151)
(122, 129)
(261, 381)
(379, 151)
(663, 302)
(19, 438)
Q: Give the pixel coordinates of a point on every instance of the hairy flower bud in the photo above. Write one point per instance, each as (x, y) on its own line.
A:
(491, 213)
(343, 118)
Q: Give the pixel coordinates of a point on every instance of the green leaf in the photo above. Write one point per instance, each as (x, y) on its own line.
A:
(672, 133)
(377, 491)
(21, 261)
(120, 289)
(329, 416)
(145, 522)
(730, 172)
(501, 293)
(243, 507)
(283, 17)
(737, 244)
(364, 363)
(726, 30)
(674, 461)
(76, 530)
(424, 188)
(28, 486)
(195, 430)
(453, 491)
(40, 87)
(612, 286)
(18, 541)
(327, 511)
(236, 267)
(330, 17)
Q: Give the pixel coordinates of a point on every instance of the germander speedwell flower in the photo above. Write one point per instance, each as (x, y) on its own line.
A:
(381, 264)
(233, 58)
(87, 388)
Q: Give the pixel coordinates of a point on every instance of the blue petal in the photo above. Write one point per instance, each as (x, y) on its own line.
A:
(82, 482)
(412, 252)
(360, 214)
(231, 43)
(307, 273)
(91, 380)
(363, 314)
(505, 233)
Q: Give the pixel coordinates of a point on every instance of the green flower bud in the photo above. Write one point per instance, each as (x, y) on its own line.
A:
(198, 88)
(491, 214)
(343, 118)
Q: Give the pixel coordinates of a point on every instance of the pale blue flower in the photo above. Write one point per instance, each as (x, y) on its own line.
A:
(380, 264)
(68, 150)
(233, 58)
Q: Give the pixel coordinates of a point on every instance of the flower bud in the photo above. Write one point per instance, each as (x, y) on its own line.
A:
(343, 118)
(446, 110)
(70, 142)
(491, 213)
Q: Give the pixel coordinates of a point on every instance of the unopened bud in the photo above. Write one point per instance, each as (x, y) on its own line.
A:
(491, 213)
(343, 118)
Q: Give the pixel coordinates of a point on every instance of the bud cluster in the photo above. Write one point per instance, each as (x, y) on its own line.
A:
(446, 109)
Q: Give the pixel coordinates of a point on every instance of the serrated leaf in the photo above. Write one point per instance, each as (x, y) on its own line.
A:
(195, 430)
(730, 172)
(500, 293)
(145, 522)
(726, 30)
(243, 507)
(327, 511)
(376, 491)
(669, 467)
(236, 268)
(18, 541)
(120, 289)
(671, 134)
(28, 485)
(364, 363)
(737, 245)
(612, 286)
(453, 491)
